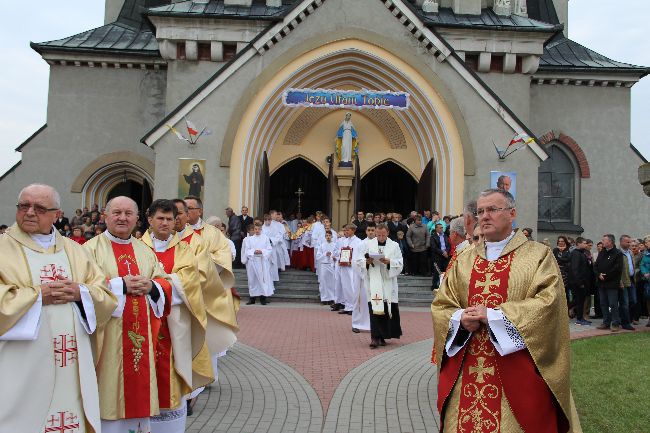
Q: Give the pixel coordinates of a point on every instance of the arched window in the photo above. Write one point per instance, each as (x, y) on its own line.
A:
(557, 188)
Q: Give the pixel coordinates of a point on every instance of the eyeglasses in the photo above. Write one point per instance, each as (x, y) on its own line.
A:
(193, 208)
(490, 210)
(38, 209)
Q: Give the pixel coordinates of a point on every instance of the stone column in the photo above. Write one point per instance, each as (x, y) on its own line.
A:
(344, 181)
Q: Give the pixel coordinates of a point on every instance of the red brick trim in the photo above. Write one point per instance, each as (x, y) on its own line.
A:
(575, 148)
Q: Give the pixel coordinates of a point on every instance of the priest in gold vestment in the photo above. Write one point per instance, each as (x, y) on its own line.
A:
(181, 343)
(52, 296)
(126, 374)
(220, 306)
(501, 333)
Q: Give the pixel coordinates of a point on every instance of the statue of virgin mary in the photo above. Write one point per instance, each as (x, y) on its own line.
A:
(347, 143)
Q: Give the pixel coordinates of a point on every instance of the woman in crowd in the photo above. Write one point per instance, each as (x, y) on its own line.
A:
(563, 257)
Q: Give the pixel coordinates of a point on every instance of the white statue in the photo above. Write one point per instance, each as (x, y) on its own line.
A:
(347, 143)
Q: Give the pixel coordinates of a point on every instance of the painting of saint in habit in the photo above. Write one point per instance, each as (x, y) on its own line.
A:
(191, 179)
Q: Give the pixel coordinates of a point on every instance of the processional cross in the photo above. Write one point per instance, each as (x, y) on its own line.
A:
(299, 193)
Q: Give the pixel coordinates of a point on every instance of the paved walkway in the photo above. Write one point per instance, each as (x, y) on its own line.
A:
(299, 368)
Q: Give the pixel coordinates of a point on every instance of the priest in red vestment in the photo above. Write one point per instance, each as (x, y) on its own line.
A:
(501, 333)
(126, 374)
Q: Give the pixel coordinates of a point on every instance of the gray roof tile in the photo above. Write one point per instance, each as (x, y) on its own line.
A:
(564, 54)
(487, 20)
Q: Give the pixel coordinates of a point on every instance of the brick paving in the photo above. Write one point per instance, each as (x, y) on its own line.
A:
(299, 368)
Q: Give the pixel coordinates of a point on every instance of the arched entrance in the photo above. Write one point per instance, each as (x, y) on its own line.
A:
(140, 192)
(388, 188)
(285, 181)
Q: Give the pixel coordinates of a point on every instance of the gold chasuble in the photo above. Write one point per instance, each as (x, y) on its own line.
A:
(46, 361)
(217, 294)
(529, 389)
(181, 341)
(126, 371)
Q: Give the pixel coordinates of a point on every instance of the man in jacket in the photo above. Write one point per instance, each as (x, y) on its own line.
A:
(235, 234)
(441, 251)
(608, 268)
(418, 239)
(580, 278)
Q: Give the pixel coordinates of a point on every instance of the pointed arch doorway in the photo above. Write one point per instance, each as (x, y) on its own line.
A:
(291, 176)
(388, 188)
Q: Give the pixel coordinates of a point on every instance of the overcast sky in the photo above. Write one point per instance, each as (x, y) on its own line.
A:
(621, 34)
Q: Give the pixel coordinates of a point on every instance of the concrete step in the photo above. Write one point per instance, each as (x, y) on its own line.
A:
(302, 286)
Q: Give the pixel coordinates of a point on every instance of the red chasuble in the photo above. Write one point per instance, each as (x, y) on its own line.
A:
(487, 375)
(135, 340)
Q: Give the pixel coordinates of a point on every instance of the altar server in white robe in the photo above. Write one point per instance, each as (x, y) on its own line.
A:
(326, 256)
(347, 277)
(381, 260)
(275, 241)
(52, 296)
(281, 246)
(317, 236)
(360, 313)
(256, 255)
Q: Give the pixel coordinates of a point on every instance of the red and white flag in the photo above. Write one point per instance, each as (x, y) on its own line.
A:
(191, 128)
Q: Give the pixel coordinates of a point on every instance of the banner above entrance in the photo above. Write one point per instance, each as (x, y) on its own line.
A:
(346, 99)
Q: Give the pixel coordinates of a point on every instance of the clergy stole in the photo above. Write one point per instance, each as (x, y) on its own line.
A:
(486, 375)
(69, 348)
(136, 352)
(169, 383)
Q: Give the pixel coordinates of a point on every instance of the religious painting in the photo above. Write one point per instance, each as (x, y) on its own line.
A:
(506, 180)
(191, 177)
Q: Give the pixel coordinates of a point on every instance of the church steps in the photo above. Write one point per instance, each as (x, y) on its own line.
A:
(301, 286)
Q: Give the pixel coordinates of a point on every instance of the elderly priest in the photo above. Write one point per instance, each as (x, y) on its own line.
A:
(52, 296)
(126, 372)
(502, 333)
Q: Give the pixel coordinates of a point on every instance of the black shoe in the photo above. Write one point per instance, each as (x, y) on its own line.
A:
(382, 342)
(374, 343)
(628, 327)
(336, 307)
(355, 330)
(263, 300)
(190, 410)
(251, 301)
(344, 312)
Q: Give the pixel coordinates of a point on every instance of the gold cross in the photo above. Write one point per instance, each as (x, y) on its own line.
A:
(481, 370)
(488, 283)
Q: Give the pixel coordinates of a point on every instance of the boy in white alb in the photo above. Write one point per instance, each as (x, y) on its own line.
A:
(275, 240)
(256, 255)
(326, 255)
(360, 313)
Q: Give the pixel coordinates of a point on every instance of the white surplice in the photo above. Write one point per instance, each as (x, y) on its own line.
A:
(274, 239)
(347, 279)
(381, 280)
(258, 266)
(327, 265)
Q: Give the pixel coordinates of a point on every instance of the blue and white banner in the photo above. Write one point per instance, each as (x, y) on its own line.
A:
(346, 99)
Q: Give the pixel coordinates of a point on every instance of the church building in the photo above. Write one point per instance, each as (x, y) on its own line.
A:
(244, 101)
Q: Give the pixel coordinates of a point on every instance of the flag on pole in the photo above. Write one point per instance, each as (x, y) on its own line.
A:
(175, 131)
(193, 130)
(521, 138)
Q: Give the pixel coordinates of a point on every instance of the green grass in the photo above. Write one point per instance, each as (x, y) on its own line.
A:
(611, 383)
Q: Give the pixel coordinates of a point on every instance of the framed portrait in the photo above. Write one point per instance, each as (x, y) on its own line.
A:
(191, 177)
(346, 256)
(506, 180)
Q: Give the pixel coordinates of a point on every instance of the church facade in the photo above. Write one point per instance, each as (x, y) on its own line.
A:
(172, 96)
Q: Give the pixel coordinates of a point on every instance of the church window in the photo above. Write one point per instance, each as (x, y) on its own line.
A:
(557, 186)
(472, 61)
(180, 51)
(204, 51)
(496, 63)
(229, 51)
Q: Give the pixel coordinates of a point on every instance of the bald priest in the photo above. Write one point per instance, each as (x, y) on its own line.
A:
(52, 296)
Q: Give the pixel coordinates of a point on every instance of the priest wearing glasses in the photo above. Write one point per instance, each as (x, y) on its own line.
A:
(501, 333)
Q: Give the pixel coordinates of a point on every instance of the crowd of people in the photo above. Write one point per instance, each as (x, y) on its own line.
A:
(120, 334)
(140, 309)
